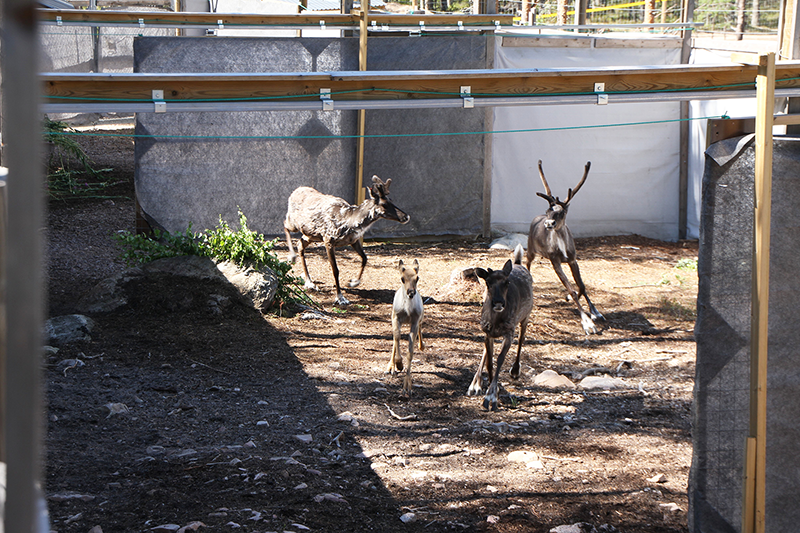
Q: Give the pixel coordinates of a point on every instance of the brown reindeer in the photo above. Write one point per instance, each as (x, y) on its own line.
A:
(334, 222)
(550, 237)
(406, 308)
(507, 302)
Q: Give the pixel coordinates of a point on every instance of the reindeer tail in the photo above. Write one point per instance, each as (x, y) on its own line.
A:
(519, 252)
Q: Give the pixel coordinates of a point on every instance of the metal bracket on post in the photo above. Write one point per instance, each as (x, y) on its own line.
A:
(141, 24)
(220, 25)
(158, 101)
(322, 24)
(466, 95)
(59, 22)
(600, 90)
(496, 25)
(325, 96)
(460, 25)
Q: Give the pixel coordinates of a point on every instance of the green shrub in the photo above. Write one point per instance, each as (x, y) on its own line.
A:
(243, 247)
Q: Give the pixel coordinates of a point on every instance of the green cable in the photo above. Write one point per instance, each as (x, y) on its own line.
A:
(375, 136)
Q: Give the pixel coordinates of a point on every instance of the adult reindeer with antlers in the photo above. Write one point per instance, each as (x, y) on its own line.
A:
(550, 237)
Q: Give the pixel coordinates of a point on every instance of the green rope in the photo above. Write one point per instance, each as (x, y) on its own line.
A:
(376, 136)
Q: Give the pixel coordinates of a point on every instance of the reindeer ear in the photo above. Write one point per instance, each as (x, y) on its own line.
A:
(507, 267)
(386, 185)
(482, 272)
(400, 265)
(415, 264)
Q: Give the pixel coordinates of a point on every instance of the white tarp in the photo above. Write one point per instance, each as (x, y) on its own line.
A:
(633, 185)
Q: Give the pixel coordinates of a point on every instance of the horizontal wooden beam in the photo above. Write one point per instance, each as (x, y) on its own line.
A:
(404, 85)
(310, 20)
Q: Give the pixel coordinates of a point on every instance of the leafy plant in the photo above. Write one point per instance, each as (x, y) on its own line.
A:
(243, 247)
(687, 264)
(63, 181)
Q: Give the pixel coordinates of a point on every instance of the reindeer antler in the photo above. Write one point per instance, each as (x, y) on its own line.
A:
(544, 181)
(381, 186)
(573, 192)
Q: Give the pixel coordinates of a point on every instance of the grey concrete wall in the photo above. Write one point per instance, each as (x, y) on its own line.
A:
(437, 179)
(721, 400)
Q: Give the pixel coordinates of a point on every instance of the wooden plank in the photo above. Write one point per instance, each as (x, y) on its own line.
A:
(760, 294)
(166, 18)
(547, 42)
(668, 43)
(362, 113)
(406, 85)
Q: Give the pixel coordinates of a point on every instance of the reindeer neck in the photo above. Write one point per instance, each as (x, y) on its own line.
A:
(362, 216)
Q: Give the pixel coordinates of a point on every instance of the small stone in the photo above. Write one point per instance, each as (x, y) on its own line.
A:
(553, 380)
(301, 486)
(304, 438)
(522, 456)
(492, 519)
(165, 528)
(658, 478)
(671, 507)
(408, 517)
(262, 423)
(602, 382)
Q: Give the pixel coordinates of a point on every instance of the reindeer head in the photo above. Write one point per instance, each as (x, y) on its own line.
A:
(556, 214)
(379, 192)
(496, 286)
(409, 276)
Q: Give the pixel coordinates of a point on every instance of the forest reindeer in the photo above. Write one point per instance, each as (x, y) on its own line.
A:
(550, 237)
(507, 302)
(406, 308)
(334, 222)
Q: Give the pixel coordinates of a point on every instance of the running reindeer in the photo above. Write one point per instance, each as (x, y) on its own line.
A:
(406, 308)
(507, 302)
(334, 222)
(550, 237)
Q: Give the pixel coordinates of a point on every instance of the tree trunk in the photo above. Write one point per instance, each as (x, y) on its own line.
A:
(740, 4)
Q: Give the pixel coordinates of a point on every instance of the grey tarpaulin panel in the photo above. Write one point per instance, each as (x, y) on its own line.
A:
(722, 331)
(437, 179)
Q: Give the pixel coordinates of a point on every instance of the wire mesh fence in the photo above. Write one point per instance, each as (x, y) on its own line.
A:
(758, 16)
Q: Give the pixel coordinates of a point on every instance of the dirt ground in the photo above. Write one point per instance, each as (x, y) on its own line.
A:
(180, 417)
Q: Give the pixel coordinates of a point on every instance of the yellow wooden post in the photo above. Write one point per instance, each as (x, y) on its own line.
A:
(753, 518)
(362, 114)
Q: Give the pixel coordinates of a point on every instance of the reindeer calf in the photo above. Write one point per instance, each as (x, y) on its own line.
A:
(406, 308)
(507, 302)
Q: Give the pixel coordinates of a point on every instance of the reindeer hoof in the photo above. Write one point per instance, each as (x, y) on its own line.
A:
(341, 301)
(310, 286)
(354, 283)
(474, 390)
(588, 326)
(515, 372)
(292, 258)
(490, 404)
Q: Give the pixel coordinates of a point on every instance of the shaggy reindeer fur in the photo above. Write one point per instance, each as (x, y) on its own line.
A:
(507, 302)
(550, 237)
(334, 222)
(406, 309)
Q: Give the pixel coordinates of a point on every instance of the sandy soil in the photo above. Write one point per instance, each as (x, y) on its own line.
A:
(245, 422)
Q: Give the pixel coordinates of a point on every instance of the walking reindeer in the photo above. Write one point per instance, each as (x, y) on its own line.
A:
(550, 237)
(334, 222)
(507, 303)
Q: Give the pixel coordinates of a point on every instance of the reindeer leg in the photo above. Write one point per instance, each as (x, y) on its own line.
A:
(340, 299)
(515, 368)
(586, 321)
(490, 400)
(292, 254)
(412, 339)
(395, 361)
(355, 282)
(475, 387)
(302, 244)
(576, 274)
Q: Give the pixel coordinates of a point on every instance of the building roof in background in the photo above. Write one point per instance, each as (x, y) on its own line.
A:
(56, 4)
(335, 5)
